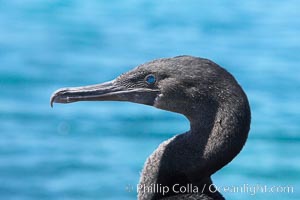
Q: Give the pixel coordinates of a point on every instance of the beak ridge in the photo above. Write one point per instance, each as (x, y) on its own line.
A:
(85, 93)
(108, 91)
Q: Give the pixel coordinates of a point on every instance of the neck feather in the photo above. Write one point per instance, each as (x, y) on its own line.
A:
(217, 135)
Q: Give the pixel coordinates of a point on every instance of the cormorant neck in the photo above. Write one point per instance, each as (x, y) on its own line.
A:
(218, 133)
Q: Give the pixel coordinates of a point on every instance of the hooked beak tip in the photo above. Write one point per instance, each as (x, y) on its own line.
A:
(55, 96)
(52, 99)
(51, 102)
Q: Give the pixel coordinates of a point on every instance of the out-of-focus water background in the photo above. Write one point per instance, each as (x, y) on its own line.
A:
(95, 150)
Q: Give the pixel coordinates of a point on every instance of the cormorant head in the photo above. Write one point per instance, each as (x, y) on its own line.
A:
(180, 84)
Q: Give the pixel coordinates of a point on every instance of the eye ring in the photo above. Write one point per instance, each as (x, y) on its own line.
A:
(150, 79)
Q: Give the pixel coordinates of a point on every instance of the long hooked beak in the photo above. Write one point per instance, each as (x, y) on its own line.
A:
(108, 91)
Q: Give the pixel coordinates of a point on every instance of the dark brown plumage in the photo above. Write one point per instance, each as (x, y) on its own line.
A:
(209, 96)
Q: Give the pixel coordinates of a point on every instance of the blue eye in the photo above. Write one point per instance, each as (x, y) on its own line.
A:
(150, 79)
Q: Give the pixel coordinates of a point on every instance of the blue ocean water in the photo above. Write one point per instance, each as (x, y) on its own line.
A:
(96, 150)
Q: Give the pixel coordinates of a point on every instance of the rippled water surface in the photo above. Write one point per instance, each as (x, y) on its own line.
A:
(94, 150)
